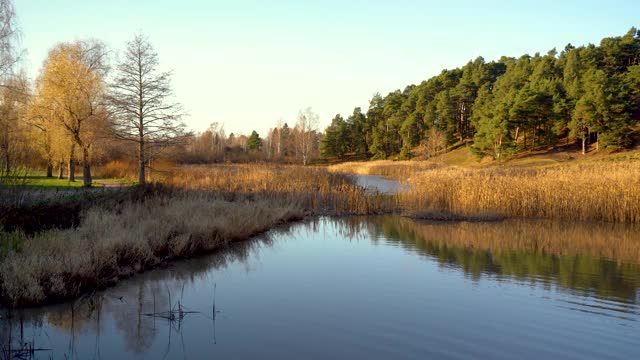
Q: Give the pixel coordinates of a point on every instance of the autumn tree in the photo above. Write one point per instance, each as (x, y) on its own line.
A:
(71, 92)
(13, 98)
(42, 134)
(142, 103)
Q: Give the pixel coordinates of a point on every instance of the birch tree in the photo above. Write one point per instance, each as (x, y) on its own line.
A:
(142, 103)
(306, 127)
(9, 36)
(8, 59)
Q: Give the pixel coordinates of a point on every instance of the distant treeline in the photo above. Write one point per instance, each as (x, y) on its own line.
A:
(589, 94)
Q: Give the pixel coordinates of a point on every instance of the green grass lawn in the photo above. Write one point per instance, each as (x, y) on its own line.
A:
(43, 183)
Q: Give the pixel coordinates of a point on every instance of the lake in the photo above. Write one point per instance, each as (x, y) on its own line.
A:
(374, 288)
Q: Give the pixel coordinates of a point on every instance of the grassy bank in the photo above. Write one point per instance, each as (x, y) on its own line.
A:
(206, 207)
(110, 244)
(202, 209)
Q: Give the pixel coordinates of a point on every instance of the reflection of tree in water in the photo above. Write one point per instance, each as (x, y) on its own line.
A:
(127, 303)
(138, 331)
(151, 292)
(19, 337)
(599, 257)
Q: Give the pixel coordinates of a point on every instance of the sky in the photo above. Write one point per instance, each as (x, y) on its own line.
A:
(248, 63)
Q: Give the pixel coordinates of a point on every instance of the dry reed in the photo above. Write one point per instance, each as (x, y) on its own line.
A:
(591, 191)
(315, 189)
(110, 244)
(399, 170)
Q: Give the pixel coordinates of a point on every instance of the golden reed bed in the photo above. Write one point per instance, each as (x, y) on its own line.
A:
(594, 191)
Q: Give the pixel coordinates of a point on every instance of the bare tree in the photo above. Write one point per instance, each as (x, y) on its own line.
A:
(435, 142)
(8, 59)
(218, 138)
(306, 126)
(142, 104)
(9, 36)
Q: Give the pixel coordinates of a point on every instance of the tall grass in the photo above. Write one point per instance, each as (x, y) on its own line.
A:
(11, 184)
(113, 243)
(203, 209)
(399, 170)
(316, 190)
(214, 205)
(589, 191)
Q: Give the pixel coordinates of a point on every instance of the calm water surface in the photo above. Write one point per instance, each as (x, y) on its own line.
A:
(379, 184)
(371, 288)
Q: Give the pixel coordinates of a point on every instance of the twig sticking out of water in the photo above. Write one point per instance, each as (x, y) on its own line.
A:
(176, 313)
(214, 301)
(26, 351)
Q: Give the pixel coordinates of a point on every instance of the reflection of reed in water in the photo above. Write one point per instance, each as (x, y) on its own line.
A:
(127, 303)
(615, 242)
(14, 343)
(599, 257)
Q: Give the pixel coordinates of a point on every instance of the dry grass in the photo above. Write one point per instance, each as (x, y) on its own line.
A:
(316, 190)
(223, 203)
(399, 170)
(113, 243)
(117, 169)
(591, 190)
(205, 208)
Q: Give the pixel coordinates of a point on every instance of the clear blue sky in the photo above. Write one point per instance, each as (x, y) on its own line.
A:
(247, 63)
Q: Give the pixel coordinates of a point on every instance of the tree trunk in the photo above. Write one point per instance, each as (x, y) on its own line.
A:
(49, 169)
(584, 145)
(141, 162)
(86, 168)
(7, 162)
(4, 147)
(72, 164)
(61, 170)
(72, 170)
(86, 175)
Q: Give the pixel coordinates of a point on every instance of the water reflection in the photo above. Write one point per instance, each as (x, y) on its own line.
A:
(584, 258)
(129, 309)
(596, 266)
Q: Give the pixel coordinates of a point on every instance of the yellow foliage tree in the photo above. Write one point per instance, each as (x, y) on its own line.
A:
(69, 100)
(13, 96)
(47, 136)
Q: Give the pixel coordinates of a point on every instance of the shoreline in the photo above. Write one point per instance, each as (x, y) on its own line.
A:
(207, 208)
